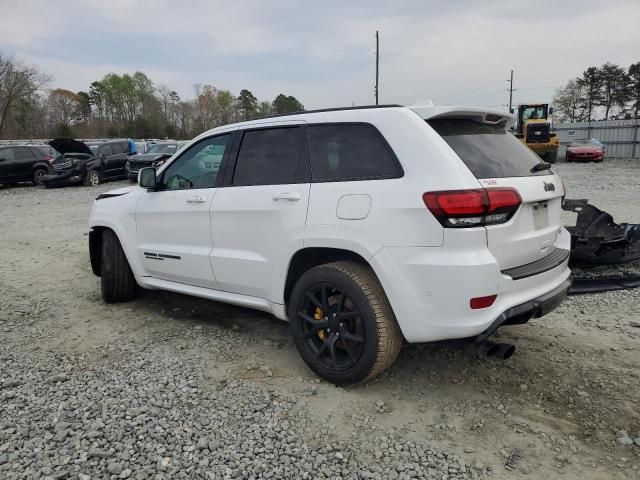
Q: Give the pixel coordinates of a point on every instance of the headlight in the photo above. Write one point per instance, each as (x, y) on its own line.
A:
(126, 166)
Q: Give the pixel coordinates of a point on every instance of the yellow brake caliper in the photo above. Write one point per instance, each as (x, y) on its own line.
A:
(319, 315)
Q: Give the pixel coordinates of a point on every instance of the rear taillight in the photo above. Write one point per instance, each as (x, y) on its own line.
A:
(473, 208)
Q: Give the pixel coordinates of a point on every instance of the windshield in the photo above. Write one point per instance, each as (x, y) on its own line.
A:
(489, 151)
(162, 148)
(581, 142)
(534, 113)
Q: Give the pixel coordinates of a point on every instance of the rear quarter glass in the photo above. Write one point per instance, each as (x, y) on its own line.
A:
(489, 151)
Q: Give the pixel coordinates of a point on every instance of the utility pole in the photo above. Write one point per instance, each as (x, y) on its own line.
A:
(377, 65)
(510, 90)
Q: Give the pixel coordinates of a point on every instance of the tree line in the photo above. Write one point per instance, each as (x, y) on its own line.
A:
(120, 106)
(608, 92)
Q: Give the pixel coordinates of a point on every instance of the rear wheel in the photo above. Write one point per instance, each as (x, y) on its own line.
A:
(116, 278)
(342, 323)
(91, 179)
(37, 176)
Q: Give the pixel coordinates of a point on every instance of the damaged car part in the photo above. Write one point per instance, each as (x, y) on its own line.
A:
(597, 240)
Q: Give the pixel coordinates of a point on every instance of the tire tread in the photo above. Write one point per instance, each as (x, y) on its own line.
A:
(117, 281)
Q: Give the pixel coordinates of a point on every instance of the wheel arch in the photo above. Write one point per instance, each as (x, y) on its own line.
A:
(309, 257)
(95, 247)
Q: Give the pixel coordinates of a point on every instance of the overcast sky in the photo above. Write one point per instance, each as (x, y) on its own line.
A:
(322, 52)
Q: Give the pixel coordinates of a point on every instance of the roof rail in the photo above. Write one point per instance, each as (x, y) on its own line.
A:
(335, 109)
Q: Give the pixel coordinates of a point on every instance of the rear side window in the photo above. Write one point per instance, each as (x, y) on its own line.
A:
(271, 156)
(7, 153)
(489, 151)
(345, 152)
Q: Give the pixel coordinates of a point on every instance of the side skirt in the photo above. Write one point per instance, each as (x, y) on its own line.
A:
(276, 309)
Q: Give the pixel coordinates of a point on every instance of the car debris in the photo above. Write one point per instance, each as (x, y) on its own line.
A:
(596, 240)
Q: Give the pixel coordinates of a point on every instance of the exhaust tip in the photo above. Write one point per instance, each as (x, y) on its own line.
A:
(502, 351)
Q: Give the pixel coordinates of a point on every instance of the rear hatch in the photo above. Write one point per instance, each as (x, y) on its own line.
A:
(499, 160)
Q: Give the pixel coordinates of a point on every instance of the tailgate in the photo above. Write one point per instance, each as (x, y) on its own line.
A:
(531, 233)
(498, 160)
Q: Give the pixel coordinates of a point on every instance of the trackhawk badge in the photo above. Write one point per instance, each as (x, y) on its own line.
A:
(549, 187)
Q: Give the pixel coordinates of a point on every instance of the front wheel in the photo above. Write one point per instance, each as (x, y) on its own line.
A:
(342, 323)
(116, 278)
(37, 176)
(91, 179)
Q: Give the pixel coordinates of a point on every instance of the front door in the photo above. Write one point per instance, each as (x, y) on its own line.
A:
(258, 218)
(174, 224)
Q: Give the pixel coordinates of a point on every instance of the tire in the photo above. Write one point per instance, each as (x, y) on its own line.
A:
(551, 157)
(37, 176)
(92, 179)
(373, 337)
(116, 278)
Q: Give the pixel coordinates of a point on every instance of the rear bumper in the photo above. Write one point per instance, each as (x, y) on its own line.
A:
(430, 289)
(536, 308)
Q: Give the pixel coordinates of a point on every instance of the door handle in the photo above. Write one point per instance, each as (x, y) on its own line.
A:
(196, 199)
(292, 197)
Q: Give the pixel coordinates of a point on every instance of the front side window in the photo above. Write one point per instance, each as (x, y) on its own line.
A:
(345, 152)
(199, 166)
(270, 156)
(106, 150)
(23, 153)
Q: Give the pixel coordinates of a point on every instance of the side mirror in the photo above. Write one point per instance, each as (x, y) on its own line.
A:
(147, 178)
(550, 110)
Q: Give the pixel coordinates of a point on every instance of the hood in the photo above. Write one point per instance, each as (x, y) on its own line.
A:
(149, 157)
(69, 145)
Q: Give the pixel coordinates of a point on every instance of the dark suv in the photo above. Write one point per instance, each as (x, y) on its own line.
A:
(23, 163)
(77, 163)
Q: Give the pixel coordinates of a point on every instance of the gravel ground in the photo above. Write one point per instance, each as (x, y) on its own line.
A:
(170, 386)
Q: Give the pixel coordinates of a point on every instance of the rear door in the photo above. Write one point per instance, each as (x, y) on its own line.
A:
(24, 160)
(498, 159)
(258, 219)
(7, 163)
(116, 160)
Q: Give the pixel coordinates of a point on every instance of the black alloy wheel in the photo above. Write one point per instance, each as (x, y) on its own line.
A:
(332, 327)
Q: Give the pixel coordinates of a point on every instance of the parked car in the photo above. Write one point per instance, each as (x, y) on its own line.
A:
(585, 151)
(23, 163)
(364, 227)
(87, 164)
(155, 156)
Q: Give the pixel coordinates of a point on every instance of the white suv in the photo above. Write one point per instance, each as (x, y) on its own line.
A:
(363, 227)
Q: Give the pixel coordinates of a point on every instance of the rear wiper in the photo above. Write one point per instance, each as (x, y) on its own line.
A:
(538, 167)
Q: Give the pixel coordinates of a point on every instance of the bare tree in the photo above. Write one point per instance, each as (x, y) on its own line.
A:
(17, 82)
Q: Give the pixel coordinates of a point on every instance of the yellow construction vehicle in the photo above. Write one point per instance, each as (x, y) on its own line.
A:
(534, 130)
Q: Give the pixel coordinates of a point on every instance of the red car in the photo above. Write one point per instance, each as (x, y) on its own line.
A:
(584, 151)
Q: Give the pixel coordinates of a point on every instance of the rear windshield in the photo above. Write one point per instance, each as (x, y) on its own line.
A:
(489, 151)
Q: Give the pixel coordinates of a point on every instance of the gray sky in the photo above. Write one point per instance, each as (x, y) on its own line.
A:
(322, 52)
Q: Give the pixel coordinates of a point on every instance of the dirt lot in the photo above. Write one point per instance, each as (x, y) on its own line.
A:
(175, 387)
